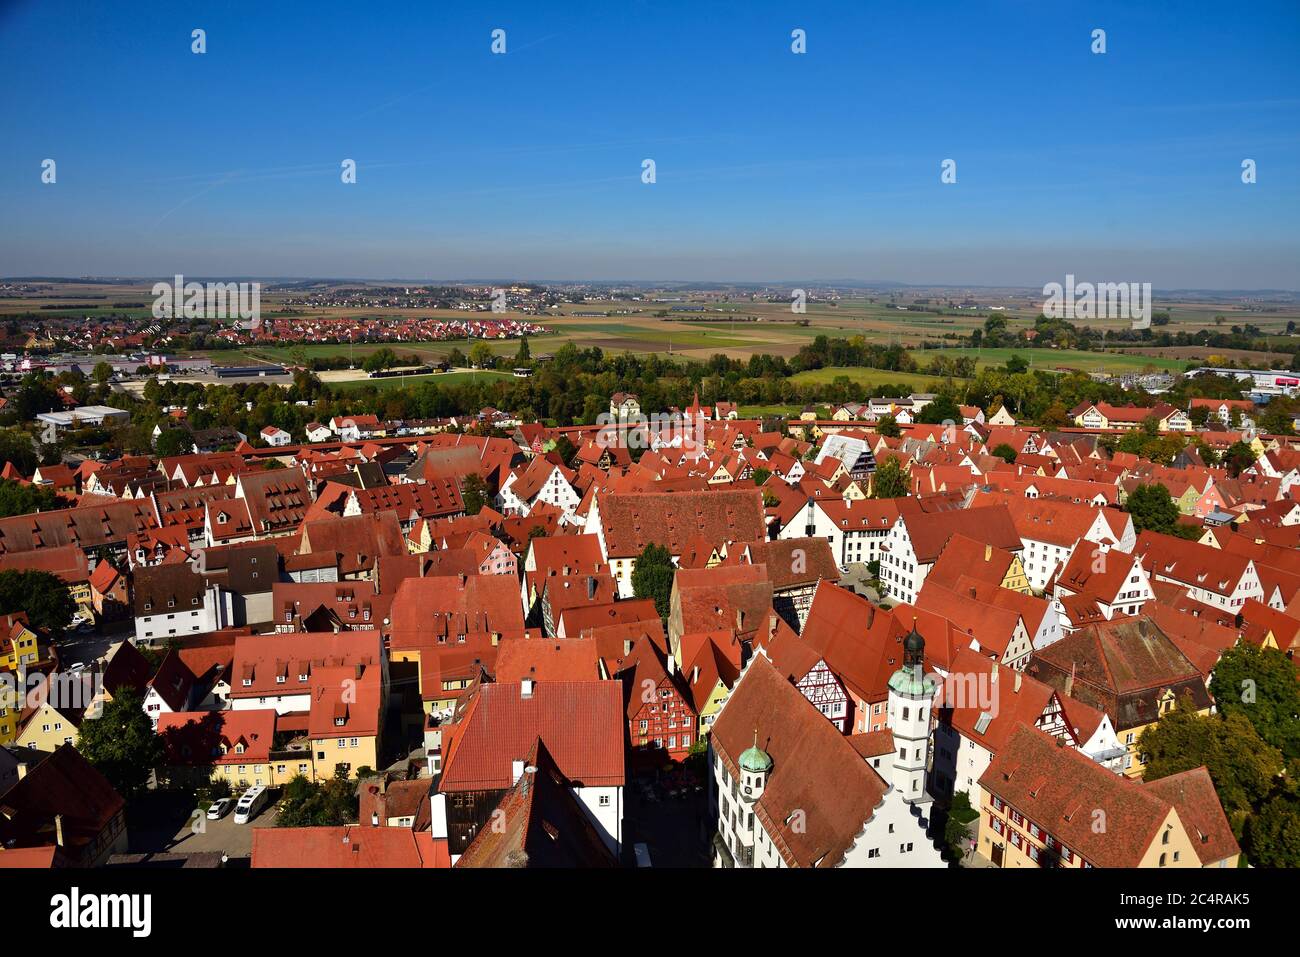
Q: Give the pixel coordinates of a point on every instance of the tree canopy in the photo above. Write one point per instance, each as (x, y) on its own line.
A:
(890, 481)
(121, 743)
(653, 577)
(42, 595)
(328, 803)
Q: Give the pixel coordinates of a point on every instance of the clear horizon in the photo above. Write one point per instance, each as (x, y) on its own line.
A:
(1122, 166)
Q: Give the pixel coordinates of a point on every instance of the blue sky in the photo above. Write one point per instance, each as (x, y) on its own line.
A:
(770, 166)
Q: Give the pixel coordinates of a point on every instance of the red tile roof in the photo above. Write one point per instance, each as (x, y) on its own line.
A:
(1061, 790)
(815, 769)
(351, 845)
(580, 722)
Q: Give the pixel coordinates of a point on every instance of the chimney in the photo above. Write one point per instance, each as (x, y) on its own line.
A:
(374, 819)
(993, 678)
(672, 664)
(58, 830)
(516, 770)
(591, 587)
(988, 552)
(695, 674)
(1069, 681)
(526, 689)
(740, 619)
(1016, 689)
(627, 646)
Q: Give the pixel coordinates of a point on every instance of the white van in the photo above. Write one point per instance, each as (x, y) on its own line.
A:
(252, 801)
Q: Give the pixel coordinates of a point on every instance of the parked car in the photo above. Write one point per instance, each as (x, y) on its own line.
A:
(220, 808)
(253, 800)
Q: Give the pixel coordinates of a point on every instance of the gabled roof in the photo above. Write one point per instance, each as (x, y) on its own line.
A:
(543, 659)
(814, 768)
(1192, 793)
(197, 737)
(929, 533)
(1060, 790)
(539, 823)
(351, 845)
(442, 608)
(580, 722)
(633, 520)
(65, 784)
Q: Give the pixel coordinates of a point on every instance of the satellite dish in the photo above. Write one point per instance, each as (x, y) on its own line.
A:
(531, 769)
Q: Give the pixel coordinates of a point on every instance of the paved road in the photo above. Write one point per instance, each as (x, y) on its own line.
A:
(164, 822)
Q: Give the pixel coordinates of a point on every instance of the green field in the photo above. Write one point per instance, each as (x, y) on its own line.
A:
(398, 382)
(870, 378)
(1053, 359)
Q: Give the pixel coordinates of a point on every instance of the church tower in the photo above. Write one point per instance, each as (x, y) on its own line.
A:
(911, 698)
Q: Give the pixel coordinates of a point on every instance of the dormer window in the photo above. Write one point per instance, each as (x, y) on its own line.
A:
(280, 679)
(340, 722)
(302, 677)
(248, 682)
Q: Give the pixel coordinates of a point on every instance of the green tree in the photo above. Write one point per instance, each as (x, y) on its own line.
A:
(955, 833)
(19, 499)
(566, 449)
(889, 480)
(1242, 765)
(1272, 836)
(1005, 452)
(16, 447)
(474, 493)
(121, 743)
(1152, 509)
(379, 360)
(888, 427)
(480, 356)
(761, 475)
(942, 409)
(653, 577)
(524, 355)
(1260, 683)
(328, 803)
(1238, 457)
(43, 596)
(174, 441)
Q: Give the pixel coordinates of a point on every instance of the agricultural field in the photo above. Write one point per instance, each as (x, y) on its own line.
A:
(398, 382)
(1060, 359)
(728, 321)
(870, 378)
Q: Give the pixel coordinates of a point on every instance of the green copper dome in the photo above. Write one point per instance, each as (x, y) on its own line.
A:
(912, 681)
(754, 759)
